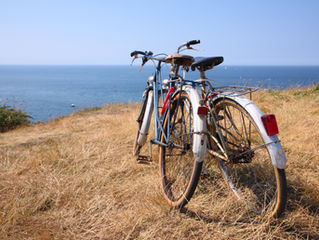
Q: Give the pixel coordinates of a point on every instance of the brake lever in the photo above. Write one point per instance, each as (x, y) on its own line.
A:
(133, 59)
(141, 67)
(144, 60)
(190, 48)
(197, 50)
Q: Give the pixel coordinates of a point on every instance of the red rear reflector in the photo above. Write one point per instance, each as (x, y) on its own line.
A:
(202, 111)
(270, 124)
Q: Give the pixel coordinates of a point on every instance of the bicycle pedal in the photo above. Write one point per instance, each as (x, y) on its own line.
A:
(143, 159)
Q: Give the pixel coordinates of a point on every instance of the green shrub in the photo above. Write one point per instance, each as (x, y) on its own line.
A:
(10, 118)
(317, 88)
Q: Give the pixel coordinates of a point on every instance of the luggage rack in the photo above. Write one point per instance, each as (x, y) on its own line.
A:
(234, 91)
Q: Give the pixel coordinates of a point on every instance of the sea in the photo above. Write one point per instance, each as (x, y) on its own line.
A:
(47, 92)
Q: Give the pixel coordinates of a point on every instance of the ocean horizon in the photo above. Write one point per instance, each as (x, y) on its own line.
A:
(49, 91)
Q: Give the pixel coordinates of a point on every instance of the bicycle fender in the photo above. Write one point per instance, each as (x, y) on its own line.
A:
(273, 145)
(200, 128)
(146, 119)
(145, 96)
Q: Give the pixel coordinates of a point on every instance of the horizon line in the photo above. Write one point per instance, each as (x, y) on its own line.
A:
(137, 65)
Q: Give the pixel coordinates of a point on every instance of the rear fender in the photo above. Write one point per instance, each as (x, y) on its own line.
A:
(274, 147)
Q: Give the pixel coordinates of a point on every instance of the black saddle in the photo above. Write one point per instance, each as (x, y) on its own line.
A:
(206, 63)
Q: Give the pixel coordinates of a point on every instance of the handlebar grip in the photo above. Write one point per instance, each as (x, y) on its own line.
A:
(193, 42)
(137, 52)
(142, 53)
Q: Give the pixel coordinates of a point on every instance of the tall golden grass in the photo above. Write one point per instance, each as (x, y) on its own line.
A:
(75, 178)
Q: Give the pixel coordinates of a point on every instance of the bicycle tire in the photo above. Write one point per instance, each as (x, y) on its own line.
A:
(248, 170)
(179, 170)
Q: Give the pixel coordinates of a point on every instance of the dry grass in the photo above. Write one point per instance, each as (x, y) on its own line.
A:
(75, 178)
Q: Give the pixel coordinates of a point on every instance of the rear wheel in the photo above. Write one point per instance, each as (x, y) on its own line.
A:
(179, 170)
(247, 166)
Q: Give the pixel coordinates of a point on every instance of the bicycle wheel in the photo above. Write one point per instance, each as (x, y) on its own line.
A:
(248, 168)
(179, 170)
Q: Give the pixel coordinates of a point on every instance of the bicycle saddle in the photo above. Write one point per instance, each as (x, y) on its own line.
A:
(179, 59)
(206, 63)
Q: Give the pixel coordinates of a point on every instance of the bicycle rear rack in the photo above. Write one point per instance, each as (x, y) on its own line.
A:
(234, 90)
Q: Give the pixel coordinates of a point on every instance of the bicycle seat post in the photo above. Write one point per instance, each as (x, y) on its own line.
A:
(202, 75)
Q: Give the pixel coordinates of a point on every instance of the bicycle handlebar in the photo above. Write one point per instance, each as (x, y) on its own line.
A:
(146, 53)
(193, 42)
(137, 52)
(188, 44)
(149, 55)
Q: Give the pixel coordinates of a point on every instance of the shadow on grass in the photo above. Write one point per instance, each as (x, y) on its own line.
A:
(300, 219)
(196, 216)
(297, 196)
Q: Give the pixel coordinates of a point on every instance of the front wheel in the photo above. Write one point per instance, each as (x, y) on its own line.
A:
(247, 167)
(179, 170)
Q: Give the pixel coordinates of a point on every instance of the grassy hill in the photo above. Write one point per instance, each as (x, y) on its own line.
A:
(75, 178)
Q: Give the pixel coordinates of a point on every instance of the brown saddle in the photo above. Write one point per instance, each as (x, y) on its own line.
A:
(179, 59)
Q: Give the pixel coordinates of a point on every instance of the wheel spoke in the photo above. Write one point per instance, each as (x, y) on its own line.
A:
(233, 125)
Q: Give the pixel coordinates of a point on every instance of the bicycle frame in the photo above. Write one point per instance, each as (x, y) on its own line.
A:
(157, 85)
(158, 91)
(175, 86)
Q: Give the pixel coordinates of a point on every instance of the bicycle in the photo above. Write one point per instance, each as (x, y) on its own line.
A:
(192, 117)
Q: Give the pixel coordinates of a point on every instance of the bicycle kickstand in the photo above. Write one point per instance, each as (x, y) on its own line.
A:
(204, 173)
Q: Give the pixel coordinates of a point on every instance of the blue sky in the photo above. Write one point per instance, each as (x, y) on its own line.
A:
(246, 32)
